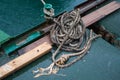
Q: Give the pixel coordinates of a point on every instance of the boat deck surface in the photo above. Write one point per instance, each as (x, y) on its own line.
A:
(101, 63)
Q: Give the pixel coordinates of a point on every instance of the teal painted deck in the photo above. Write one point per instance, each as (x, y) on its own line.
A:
(112, 23)
(3, 37)
(19, 16)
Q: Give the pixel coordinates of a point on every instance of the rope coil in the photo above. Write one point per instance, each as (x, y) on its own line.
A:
(69, 34)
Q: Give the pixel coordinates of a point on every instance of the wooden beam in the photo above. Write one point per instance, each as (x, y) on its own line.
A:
(88, 20)
(100, 13)
(35, 44)
(24, 59)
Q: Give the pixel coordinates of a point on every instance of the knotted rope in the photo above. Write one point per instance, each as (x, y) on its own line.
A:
(69, 34)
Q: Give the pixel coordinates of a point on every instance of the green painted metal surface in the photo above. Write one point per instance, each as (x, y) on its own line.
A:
(3, 37)
(19, 16)
(101, 63)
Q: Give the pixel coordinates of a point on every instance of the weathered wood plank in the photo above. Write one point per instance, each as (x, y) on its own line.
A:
(24, 59)
(100, 13)
(35, 44)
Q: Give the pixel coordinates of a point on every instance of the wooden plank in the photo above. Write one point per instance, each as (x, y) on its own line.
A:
(24, 59)
(35, 44)
(100, 13)
(88, 20)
